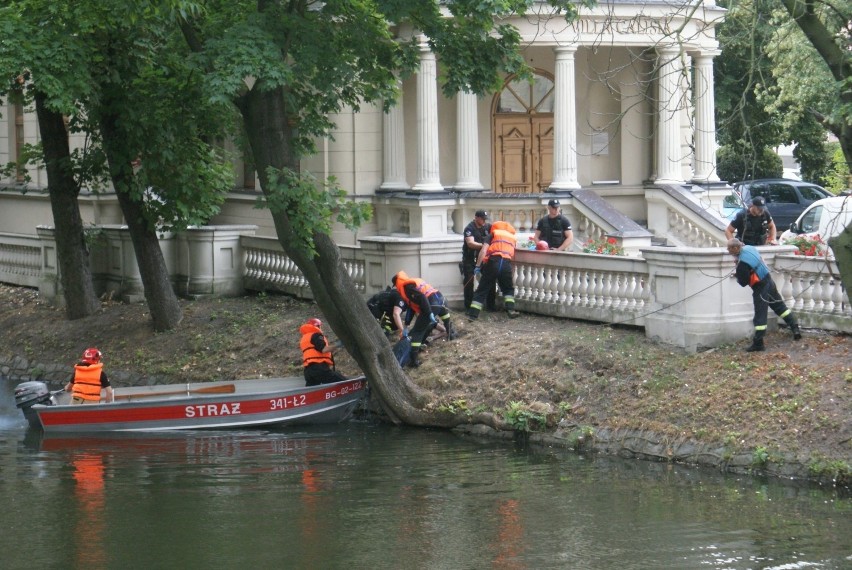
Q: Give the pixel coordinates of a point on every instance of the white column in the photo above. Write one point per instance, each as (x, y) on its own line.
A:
(565, 121)
(467, 139)
(668, 116)
(705, 123)
(428, 169)
(393, 148)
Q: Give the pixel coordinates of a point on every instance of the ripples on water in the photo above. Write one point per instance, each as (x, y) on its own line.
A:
(362, 495)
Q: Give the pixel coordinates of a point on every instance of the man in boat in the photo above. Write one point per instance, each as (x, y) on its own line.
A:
(89, 379)
(430, 307)
(317, 360)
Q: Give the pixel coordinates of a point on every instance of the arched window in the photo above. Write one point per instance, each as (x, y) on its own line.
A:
(521, 96)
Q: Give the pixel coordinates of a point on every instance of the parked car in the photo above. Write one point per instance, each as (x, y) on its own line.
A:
(785, 199)
(825, 218)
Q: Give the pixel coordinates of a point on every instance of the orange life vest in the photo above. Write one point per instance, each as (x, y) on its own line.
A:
(310, 355)
(87, 382)
(502, 243)
(425, 289)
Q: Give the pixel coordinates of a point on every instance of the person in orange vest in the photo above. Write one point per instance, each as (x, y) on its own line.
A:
(430, 307)
(495, 266)
(89, 379)
(317, 360)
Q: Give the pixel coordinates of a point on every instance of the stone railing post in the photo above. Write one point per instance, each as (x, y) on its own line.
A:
(695, 302)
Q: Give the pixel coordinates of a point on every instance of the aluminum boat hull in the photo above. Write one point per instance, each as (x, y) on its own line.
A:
(243, 403)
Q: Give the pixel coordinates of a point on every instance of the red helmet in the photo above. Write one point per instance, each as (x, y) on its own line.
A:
(542, 245)
(316, 322)
(91, 356)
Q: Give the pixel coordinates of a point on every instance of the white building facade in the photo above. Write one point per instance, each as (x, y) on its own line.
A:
(618, 123)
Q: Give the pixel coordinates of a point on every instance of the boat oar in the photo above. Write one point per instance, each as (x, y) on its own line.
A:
(222, 389)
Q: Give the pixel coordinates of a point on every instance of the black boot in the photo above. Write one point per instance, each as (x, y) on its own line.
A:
(414, 361)
(791, 321)
(797, 332)
(451, 332)
(757, 343)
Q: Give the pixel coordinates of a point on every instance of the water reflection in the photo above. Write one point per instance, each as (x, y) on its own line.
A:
(368, 496)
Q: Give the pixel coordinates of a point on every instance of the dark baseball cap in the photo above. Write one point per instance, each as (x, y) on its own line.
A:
(758, 202)
(481, 214)
(553, 203)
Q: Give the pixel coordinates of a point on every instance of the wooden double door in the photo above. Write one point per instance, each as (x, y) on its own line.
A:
(523, 152)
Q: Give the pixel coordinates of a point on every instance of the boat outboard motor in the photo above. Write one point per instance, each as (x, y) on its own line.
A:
(29, 394)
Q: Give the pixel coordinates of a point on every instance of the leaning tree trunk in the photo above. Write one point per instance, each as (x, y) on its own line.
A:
(270, 137)
(75, 272)
(159, 294)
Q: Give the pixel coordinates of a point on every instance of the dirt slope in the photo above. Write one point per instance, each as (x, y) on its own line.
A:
(793, 398)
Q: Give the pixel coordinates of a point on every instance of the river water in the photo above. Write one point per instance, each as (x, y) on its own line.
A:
(362, 495)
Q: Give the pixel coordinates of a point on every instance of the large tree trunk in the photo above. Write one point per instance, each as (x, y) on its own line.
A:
(75, 272)
(270, 137)
(159, 294)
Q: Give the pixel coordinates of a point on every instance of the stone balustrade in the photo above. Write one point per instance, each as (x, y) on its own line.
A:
(20, 259)
(681, 296)
(812, 288)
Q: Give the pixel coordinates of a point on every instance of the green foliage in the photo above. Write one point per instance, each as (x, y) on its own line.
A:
(310, 206)
(744, 163)
(837, 177)
(838, 471)
(455, 407)
(806, 94)
(97, 60)
(522, 419)
(773, 87)
(759, 456)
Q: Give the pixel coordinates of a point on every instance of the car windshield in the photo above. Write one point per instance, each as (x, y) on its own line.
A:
(812, 193)
(732, 200)
(810, 221)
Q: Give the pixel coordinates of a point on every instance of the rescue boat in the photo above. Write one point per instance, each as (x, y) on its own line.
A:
(203, 405)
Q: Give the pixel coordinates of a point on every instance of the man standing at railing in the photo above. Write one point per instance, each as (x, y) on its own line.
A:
(752, 271)
(554, 228)
(474, 236)
(495, 265)
(753, 225)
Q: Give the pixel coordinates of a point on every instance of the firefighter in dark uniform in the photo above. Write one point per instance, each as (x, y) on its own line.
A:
(387, 306)
(752, 271)
(430, 307)
(753, 225)
(317, 360)
(495, 262)
(474, 236)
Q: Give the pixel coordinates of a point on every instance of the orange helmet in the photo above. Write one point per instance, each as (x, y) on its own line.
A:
(316, 322)
(91, 356)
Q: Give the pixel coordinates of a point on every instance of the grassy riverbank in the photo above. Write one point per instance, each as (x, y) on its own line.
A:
(535, 372)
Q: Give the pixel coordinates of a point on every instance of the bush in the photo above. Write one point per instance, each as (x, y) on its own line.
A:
(735, 164)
